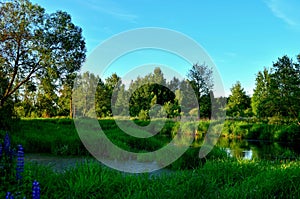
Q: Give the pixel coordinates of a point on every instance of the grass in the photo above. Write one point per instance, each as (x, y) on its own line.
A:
(217, 178)
(59, 136)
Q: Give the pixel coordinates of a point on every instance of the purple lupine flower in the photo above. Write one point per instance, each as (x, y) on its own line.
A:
(20, 162)
(7, 149)
(1, 150)
(35, 190)
(9, 196)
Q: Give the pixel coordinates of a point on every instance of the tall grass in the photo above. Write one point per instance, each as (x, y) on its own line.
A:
(226, 178)
(59, 136)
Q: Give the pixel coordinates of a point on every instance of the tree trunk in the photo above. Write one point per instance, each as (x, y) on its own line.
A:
(71, 108)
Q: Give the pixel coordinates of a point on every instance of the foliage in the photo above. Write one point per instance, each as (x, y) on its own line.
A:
(201, 79)
(261, 92)
(37, 49)
(84, 94)
(238, 102)
(277, 91)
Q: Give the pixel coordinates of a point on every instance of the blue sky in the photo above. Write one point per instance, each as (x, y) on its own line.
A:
(241, 37)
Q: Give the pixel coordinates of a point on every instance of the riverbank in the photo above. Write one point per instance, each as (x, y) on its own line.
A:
(60, 137)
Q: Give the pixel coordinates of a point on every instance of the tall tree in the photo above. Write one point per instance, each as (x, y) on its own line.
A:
(260, 100)
(148, 91)
(201, 79)
(34, 43)
(277, 92)
(238, 102)
(84, 96)
(102, 100)
(285, 87)
(47, 98)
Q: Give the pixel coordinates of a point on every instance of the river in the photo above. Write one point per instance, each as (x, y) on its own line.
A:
(259, 149)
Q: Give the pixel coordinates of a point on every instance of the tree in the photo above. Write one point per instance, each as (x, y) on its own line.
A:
(35, 44)
(277, 92)
(47, 98)
(201, 79)
(108, 94)
(238, 102)
(285, 87)
(259, 100)
(102, 100)
(65, 100)
(148, 91)
(84, 95)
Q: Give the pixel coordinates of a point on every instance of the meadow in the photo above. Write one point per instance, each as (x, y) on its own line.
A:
(216, 176)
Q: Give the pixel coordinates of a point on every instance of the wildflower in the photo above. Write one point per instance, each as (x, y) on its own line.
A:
(20, 162)
(7, 149)
(35, 190)
(1, 149)
(9, 196)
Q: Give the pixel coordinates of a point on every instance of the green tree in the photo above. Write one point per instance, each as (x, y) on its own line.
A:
(84, 97)
(108, 94)
(277, 92)
(285, 88)
(35, 44)
(26, 106)
(102, 100)
(261, 97)
(121, 102)
(148, 91)
(238, 102)
(201, 79)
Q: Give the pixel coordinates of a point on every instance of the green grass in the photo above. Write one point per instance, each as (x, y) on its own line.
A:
(217, 176)
(59, 136)
(228, 178)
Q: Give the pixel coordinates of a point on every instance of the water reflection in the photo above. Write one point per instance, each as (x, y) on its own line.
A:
(247, 155)
(257, 149)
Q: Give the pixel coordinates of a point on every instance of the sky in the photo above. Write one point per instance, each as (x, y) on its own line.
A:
(241, 37)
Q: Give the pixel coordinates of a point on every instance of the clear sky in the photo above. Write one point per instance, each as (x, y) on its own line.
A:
(241, 37)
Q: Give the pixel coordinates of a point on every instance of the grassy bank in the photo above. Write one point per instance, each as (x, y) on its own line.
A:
(59, 136)
(286, 132)
(216, 179)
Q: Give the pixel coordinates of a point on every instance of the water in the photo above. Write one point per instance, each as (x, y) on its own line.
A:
(60, 164)
(258, 149)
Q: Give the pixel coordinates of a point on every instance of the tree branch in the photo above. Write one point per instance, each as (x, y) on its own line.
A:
(34, 69)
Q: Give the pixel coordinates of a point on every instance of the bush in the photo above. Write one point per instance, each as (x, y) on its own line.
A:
(288, 133)
(143, 115)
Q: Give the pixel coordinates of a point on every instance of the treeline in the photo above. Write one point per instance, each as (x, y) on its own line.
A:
(276, 94)
(151, 95)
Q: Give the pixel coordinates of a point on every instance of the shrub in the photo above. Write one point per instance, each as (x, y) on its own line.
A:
(288, 133)
(143, 115)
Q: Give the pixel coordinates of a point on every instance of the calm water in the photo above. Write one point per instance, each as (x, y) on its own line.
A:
(257, 149)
